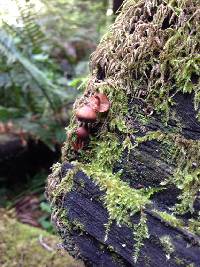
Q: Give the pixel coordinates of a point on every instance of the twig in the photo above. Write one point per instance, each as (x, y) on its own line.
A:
(44, 245)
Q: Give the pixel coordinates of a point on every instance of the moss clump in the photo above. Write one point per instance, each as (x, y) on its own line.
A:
(194, 225)
(78, 225)
(152, 51)
(170, 218)
(65, 185)
(27, 246)
(185, 154)
(149, 54)
(167, 245)
(140, 233)
(186, 176)
(121, 201)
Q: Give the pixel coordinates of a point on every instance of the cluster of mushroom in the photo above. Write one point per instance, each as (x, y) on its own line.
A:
(88, 114)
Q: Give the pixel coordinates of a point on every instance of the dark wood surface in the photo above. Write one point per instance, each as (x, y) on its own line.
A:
(141, 169)
(83, 206)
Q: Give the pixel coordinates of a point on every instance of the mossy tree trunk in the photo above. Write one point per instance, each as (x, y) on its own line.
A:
(130, 197)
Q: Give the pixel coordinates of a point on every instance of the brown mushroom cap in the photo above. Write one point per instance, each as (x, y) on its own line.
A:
(86, 114)
(99, 102)
(82, 133)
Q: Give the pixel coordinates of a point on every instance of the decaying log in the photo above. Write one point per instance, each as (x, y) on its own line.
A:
(85, 209)
(130, 197)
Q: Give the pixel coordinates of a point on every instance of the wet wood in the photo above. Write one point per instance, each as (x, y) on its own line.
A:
(146, 166)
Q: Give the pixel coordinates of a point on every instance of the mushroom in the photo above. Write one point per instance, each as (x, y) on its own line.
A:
(82, 133)
(99, 102)
(86, 114)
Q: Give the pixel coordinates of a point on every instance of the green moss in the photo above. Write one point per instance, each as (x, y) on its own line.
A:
(165, 62)
(142, 119)
(28, 246)
(77, 225)
(140, 233)
(59, 215)
(121, 201)
(167, 245)
(188, 182)
(186, 176)
(170, 218)
(194, 226)
(65, 184)
(149, 136)
(179, 261)
(56, 168)
(182, 262)
(111, 248)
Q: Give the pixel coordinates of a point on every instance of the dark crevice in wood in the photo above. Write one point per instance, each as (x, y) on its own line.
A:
(100, 73)
(190, 237)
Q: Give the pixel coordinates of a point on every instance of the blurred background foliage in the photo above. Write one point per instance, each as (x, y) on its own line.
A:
(44, 48)
(44, 52)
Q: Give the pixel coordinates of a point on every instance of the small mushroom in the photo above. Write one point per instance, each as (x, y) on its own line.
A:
(82, 133)
(86, 114)
(99, 102)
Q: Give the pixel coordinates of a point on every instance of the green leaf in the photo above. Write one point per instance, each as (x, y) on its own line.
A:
(9, 113)
(45, 207)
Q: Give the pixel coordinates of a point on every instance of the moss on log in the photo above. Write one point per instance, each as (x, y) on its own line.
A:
(130, 197)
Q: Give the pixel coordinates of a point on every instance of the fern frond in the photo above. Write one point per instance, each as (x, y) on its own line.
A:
(7, 47)
(9, 50)
(31, 31)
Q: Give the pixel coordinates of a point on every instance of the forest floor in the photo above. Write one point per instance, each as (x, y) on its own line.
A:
(27, 246)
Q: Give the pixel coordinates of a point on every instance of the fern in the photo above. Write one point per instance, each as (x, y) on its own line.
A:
(9, 50)
(31, 32)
